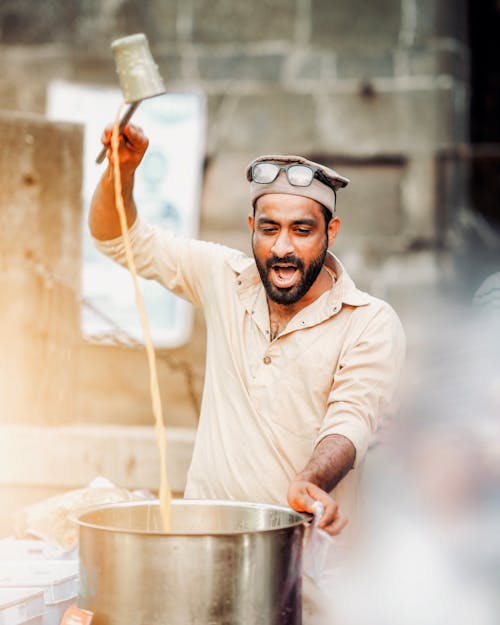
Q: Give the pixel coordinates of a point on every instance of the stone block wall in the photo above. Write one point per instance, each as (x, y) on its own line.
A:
(377, 90)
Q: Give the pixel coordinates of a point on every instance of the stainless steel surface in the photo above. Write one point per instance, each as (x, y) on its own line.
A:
(137, 72)
(224, 563)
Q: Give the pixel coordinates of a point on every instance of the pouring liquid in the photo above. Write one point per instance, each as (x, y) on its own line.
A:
(165, 492)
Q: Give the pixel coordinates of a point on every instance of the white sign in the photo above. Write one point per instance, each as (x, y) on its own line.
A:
(167, 193)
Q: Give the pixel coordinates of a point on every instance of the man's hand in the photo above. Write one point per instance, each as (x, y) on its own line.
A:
(332, 459)
(103, 218)
(301, 497)
(132, 146)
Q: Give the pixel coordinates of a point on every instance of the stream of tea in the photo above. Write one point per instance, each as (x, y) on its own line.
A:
(165, 492)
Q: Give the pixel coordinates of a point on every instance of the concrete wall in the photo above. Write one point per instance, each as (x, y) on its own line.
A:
(40, 233)
(377, 90)
(338, 80)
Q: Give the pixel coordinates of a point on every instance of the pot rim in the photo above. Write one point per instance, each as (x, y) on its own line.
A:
(302, 518)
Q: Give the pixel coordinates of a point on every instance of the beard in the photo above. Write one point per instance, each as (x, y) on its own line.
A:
(290, 295)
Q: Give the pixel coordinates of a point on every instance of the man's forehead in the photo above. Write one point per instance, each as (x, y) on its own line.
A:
(274, 206)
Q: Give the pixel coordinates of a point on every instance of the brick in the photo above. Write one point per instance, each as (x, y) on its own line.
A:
(95, 70)
(101, 70)
(100, 23)
(273, 122)
(391, 121)
(239, 66)
(28, 22)
(365, 64)
(225, 199)
(311, 65)
(161, 22)
(424, 61)
(420, 203)
(26, 74)
(170, 66)
(441, 19)
(371, 204)
(215, 115)
(225, 21)
(451, 195)
(355, 23)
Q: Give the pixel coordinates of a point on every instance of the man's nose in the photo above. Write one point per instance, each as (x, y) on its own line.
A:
(282, 245)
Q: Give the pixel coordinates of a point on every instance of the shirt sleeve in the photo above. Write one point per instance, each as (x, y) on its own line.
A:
(182, 265)
(365, 381)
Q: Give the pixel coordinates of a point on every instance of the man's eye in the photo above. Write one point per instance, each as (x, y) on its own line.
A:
(269, 230)
(303, 230)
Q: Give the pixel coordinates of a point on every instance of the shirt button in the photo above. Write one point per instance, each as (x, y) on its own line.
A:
(266, 360)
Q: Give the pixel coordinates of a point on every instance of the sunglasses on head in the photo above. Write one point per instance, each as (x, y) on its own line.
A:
(266, 172)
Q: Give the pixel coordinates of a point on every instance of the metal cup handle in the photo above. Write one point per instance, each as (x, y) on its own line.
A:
(123, 122)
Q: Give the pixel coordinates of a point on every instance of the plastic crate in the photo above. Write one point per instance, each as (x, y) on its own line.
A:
(26, 549)
(19, 606)
(58, 580)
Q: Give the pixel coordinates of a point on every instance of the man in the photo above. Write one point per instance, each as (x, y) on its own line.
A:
(299, 362)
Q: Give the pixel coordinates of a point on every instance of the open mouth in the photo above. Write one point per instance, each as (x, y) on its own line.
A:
(284, 275)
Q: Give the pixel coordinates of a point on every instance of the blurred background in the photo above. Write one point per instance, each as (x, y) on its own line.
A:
(401, 96)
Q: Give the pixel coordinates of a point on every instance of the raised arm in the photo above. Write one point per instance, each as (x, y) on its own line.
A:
(332, 459)
(103, 218)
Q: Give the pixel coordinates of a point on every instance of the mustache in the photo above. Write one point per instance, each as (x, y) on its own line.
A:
(292, 260)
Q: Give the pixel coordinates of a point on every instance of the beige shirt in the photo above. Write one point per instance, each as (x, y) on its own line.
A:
(266, 404)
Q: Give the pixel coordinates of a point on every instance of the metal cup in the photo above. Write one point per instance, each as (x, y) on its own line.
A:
(138, 75)
(137, 72)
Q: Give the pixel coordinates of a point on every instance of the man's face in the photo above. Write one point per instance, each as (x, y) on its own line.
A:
(289, 242)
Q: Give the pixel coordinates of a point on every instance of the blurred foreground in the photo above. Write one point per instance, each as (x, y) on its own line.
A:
(430, 553)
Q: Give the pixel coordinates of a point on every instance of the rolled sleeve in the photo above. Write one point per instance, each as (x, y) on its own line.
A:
(365, 381)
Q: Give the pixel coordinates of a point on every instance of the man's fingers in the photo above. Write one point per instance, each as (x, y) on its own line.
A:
(302, 495)
(299, 497)
(335, 528)
(135, 138)
(331, 520)
(330, 513)
(106, 134)
(131, 136)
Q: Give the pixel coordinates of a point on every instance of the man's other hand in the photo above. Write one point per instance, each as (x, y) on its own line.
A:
(301, 497)
(132, 146)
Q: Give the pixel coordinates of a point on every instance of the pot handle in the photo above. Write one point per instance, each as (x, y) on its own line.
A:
(312, 519)
(307, 517)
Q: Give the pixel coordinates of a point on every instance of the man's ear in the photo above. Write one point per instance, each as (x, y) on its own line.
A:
(333, 229)
(251, 222)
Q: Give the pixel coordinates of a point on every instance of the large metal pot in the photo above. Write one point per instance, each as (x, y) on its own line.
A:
(224, 563)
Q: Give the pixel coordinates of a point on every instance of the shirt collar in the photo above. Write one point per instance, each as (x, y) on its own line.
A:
(343, 290)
